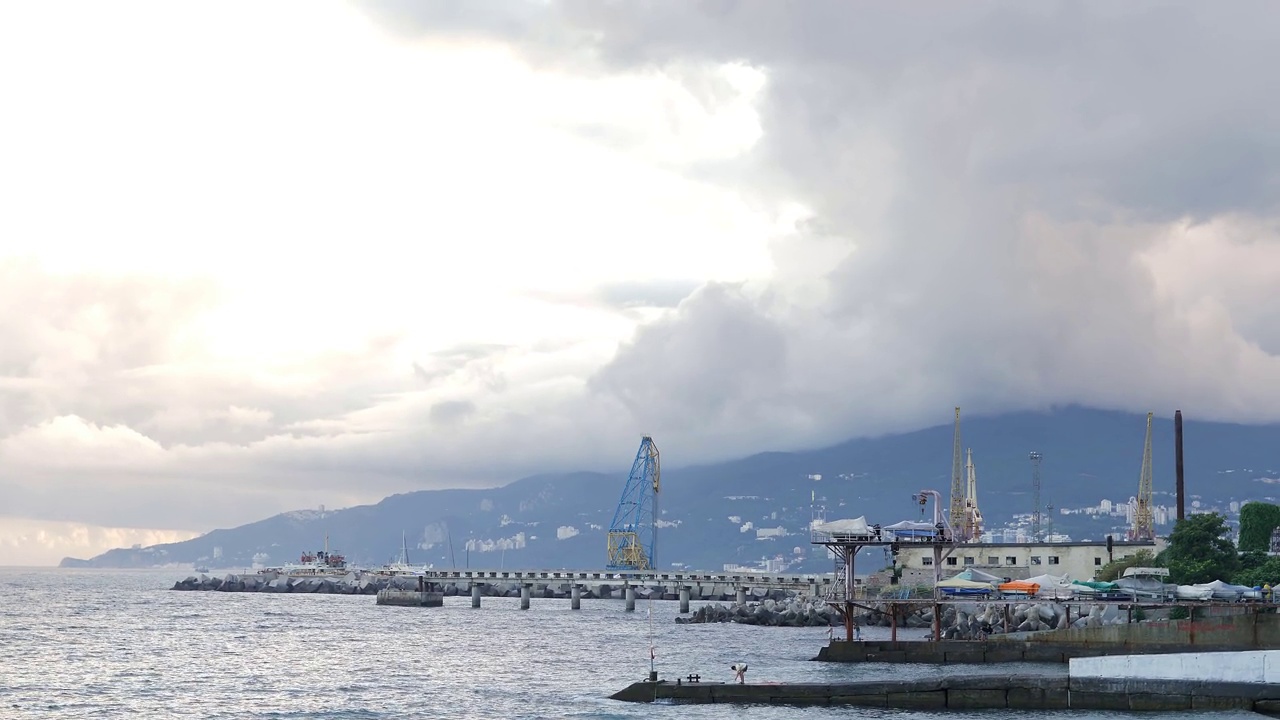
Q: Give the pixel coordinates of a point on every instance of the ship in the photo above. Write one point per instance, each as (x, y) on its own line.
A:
(320, 562)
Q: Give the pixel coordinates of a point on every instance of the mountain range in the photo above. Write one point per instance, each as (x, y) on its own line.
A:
(712, 515)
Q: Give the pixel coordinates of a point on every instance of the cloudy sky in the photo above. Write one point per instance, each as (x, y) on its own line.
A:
(265, 256)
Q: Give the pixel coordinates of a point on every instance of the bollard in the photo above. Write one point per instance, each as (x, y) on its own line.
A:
(631, 599)
(575, 598)
(742, 596)
(684, 600)
(524, 597)
(475, 595)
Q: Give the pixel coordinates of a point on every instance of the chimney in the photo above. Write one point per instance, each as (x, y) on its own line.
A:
(1177, 462)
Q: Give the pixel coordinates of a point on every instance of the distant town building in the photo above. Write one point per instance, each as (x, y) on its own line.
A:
(1275, 541)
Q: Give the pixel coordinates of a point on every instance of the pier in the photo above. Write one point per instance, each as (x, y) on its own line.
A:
(659, 585)
(575, 586)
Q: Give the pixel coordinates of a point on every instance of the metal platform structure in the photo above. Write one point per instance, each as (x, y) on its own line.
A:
(845, 546)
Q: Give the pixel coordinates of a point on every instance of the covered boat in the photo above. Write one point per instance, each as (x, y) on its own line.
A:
(979, 576)
(1052, 587)
(1019, 587)
(960, 586)
(1226, 591)
(908, 530)
(1193, 592)
(850, 529)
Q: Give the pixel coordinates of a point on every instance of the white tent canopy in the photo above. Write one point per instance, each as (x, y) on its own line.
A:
(854, 526)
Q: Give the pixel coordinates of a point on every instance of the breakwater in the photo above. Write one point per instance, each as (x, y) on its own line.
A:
(366, 583)
(960, 620)
(1036, 692)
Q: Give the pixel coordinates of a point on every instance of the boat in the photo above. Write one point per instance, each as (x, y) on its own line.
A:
(1052, 587)
(200, 568)
(1193, 592)
(401, 566)
(958, 586)
(320, 562)
(1020, 588)
(1146, 583)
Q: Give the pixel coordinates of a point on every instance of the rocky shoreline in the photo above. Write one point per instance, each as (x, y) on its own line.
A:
(960, 620)
(370, 583)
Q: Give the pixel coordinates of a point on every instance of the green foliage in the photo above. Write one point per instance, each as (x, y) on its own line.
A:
(1257, 520)
(1113, 569)
(1179, 613)
(1139, 614)
(1266, 573)
(1252, 560)
(1200, 552)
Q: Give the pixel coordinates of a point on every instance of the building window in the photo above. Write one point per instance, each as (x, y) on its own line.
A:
(926, 561)
(1010, 560)
(951, 561)
(1053, 559)
(993, 560)
(1097, 562)
(1035, 559)
(968, 561)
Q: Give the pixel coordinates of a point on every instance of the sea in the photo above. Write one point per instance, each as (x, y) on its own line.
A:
(122, 644)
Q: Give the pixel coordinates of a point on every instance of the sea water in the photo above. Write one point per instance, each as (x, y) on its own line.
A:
(111, 643)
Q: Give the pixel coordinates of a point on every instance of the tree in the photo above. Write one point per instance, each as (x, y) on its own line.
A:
(1257, 520)
(1267, 573)
(1199, 550)
(1113, 569)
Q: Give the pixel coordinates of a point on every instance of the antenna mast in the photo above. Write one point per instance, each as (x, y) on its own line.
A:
(1035, 495)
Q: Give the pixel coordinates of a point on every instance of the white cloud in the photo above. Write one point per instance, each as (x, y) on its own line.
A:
(372, 246)
(34, 542)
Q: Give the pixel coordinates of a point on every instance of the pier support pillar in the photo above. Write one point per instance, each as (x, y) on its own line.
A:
(524, 597)
(631, 599)
(684, 600)
(475, 595)
(575, 597)
(742, 596)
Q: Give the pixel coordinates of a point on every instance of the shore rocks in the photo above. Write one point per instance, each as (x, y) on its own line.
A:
(960, 621)
(795, 612)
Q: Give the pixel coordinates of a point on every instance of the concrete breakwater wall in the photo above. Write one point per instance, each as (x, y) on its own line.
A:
(797, 612)
(960, 621)
(370, 583)
(1055, 692)
(1243, 631)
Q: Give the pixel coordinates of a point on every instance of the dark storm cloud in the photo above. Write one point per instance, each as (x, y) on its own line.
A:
(998, 173)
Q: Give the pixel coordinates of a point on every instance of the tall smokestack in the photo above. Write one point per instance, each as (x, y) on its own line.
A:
(1177, 462)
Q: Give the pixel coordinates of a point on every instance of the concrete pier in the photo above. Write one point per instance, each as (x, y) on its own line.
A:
(524, 597)
(684, 600)
(631, 599)
(575, 597)
(475, 595)
(742, 596)
(411, 598)
(989, 692)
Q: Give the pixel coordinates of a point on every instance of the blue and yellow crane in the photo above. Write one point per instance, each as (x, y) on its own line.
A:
(633, 534)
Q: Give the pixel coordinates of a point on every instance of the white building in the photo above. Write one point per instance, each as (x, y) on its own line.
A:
(1017, 561)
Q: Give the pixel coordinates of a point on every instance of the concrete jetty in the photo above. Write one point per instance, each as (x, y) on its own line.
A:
(1252, 628)
(527, 585)
(990, 692)
(410, 598)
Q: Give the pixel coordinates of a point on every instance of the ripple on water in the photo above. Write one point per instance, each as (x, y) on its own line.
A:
(146, 651)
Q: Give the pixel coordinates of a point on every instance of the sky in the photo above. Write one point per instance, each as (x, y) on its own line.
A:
(262, 257)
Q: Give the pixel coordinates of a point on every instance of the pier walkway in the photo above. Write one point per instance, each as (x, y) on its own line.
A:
(662, 584)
